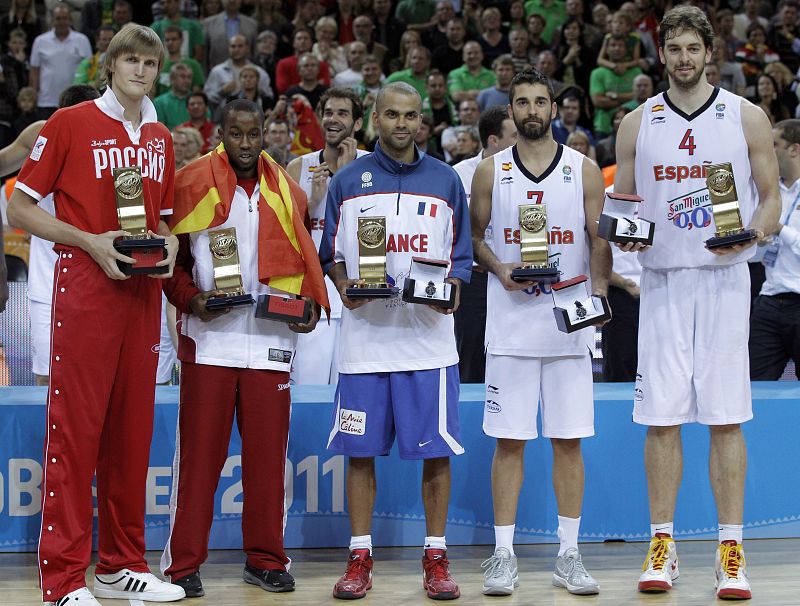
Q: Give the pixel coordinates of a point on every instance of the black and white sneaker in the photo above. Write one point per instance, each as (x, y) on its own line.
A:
(79, 597)
(191, 584)
(129, 585)
(276, 580)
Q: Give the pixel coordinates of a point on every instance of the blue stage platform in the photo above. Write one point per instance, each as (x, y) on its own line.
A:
(615, 502)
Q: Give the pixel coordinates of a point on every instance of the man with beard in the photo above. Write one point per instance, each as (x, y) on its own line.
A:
(693, 360)
(342, 112)
(398, 365)
(521, 335)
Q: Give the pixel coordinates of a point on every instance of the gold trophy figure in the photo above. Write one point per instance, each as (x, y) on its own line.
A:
(227, 271)
(533, 246)
(725, 208)
(132, 219)
(372, 261)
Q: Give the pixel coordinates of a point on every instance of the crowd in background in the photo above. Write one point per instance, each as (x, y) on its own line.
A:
(459, 54)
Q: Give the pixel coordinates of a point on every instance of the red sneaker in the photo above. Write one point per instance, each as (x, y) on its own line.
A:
(436, 579)
(357, 579)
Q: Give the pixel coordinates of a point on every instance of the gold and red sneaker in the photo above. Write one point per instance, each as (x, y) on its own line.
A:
(660, 568)
(731, 582)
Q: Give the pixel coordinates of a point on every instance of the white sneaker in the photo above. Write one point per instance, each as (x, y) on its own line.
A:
(660, 567)
(572, 576)
(79, 597)
(731, 582)
(501, 575)
(129, 585)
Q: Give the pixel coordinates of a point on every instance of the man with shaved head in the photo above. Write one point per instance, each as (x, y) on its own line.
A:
(409, 389)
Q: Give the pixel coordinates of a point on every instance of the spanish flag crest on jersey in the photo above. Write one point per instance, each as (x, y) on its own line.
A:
(287, 257)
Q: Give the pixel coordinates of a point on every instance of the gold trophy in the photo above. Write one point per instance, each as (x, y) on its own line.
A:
(132, 219)
(227, 272)
(372, 261)
(725, 208)
(533, 246)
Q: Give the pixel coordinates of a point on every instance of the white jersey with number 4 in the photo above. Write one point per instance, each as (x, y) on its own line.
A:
(521, 322)
(673, 151)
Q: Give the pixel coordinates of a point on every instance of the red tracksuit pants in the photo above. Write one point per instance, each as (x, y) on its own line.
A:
(209, 397)
(103, 359)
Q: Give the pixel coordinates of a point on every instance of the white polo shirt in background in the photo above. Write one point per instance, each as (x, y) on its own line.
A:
(784, 275)
(57, 61)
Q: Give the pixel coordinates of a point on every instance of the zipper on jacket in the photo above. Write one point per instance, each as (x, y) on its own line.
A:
(399, 191)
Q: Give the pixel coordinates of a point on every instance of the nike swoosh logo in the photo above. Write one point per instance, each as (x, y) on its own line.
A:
(421, 444)
(363, 210)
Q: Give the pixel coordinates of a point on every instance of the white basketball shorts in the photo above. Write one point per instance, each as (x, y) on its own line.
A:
(40, 337)
(315, 358)
(516, 387)
(693, 361)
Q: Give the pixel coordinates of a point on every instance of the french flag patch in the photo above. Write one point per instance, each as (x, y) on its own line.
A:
(427, 208)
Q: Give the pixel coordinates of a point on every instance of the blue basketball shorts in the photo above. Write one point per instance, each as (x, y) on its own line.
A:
(420, 407)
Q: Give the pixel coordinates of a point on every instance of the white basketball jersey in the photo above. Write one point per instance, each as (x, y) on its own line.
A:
(521, 322)
(672, 151)
(317, 212)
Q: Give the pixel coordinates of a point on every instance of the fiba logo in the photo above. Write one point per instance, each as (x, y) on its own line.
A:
(366, 179)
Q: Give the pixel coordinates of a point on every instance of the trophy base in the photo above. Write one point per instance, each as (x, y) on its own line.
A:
(746, 235)
(283, 308)
(372, 291)
(542, 275)
(227, 301)
(146, 251)
(447, 299)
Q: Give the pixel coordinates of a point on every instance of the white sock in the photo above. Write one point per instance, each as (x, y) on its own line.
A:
(435, 543)
(568, 533)
(730, 532)
(661, 528)
(504, 537)
(362, 542)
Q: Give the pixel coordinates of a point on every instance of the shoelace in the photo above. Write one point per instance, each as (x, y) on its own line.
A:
(731, 559)
(355, 569)
(657, 554)
(577, 567)
(438, 568)
(493, 565)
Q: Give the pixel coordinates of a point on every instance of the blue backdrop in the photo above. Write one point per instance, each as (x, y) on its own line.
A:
(615, 501)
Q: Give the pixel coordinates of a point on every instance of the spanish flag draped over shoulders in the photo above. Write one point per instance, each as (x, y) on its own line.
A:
(287, 257)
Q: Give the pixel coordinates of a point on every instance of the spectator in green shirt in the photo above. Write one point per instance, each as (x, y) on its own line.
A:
(171, 106)
(88, 71)
(173, 39)
(467, 81)
(416, 75)
(193, 42)
(554, 13)
(416, 14)
(608, 89)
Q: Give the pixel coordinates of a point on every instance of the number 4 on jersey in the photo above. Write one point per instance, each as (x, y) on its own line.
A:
(688, 142)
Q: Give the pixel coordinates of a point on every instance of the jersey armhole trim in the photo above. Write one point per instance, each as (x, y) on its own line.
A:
(28, 190)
